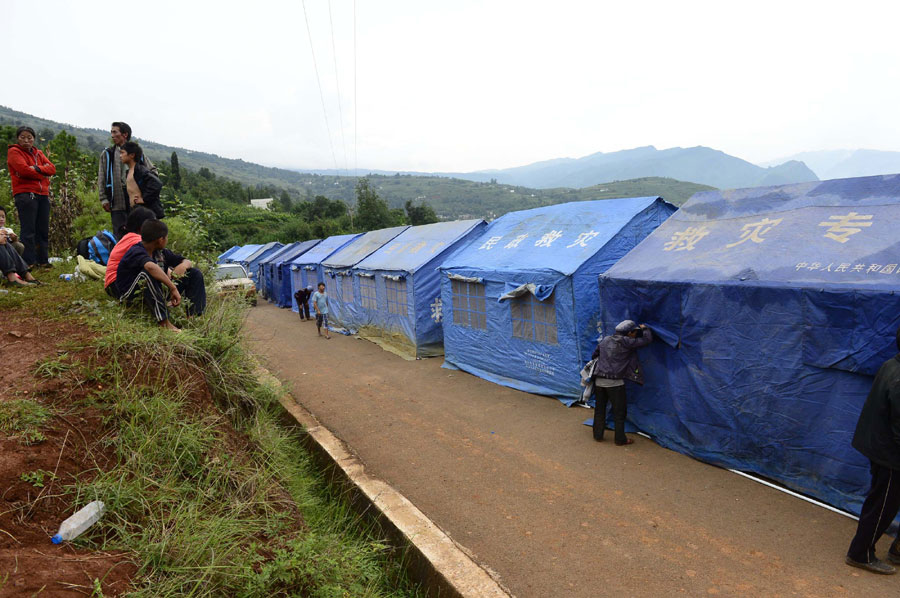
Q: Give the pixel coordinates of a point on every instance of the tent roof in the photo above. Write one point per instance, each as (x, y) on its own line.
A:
(324, 249)
(557, 238)
(242, 253)
(838, 232)
(360, 248)
(274, 256)
(296, 249)
(417, 245)
(227, 253)
(262, 251)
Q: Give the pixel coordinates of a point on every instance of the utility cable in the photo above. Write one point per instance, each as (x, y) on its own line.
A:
(355, 146)
(337, 83)
(319, 81)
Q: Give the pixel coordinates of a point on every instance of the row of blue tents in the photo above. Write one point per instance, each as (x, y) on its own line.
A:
(773, 308)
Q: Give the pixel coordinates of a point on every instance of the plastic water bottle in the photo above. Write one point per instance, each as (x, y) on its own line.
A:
(75, 525)
(66, 277)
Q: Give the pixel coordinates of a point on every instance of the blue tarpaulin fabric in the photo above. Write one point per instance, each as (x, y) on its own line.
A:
(775, 307)
(251, 262)
(224, 255)
(538, 346)
(402, 308)
(241, 254)
(337, 266)
(279, 271)
(266, 268)
(306, 270)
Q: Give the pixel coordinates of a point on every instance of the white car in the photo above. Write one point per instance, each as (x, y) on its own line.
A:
(233, 278)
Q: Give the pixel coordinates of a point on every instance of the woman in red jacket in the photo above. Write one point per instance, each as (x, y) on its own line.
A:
(30, 171)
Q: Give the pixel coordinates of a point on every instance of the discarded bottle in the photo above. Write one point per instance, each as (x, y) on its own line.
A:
(75, 525)
(66, 277)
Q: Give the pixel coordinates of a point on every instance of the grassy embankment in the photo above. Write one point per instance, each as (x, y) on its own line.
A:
(209, 492)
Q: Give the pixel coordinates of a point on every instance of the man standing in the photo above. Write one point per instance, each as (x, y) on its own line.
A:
(617, 361)
(878, 438)
(111, 178)
(320, 304)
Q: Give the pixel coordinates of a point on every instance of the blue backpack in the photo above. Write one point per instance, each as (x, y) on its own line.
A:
(97, 248)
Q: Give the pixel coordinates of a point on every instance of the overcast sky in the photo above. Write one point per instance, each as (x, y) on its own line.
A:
(461, 85)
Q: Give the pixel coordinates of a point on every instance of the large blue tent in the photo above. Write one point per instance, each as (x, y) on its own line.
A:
(307, 270)
(223, 257)
(251, 262)
(282, 272)
(773, 308)
(520, 303)
(336, 268)
(239, 255)
(266, 272)
(399, 301)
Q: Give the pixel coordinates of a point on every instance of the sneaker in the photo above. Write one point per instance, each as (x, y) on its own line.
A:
(876, 566)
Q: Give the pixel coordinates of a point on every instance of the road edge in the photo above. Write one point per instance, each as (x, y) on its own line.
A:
(433, 559)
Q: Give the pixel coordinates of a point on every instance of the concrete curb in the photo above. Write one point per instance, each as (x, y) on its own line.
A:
(440, 565)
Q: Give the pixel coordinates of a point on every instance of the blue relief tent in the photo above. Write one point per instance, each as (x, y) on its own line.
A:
(284, 296)
(223, 257)
(241, 254)
(397, 289)
(266, 272)
(251, 262)
(337, 266)
(307, 270)
(521, 304)
(773, 308)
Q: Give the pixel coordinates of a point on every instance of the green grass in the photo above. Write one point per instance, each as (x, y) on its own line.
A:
(23, 419)
(211, 493)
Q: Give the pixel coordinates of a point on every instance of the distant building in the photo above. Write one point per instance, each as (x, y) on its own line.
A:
(262, 203)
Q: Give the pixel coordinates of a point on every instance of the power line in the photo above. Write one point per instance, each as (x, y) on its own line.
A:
(355, 146)
(337, 83)
(319, 81)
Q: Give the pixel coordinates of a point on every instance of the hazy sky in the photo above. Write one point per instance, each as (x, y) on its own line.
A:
(461, 85)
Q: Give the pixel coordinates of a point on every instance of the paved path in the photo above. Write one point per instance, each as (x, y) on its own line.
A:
(517, 480)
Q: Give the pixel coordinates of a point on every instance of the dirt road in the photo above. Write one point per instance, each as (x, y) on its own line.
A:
(519, 481)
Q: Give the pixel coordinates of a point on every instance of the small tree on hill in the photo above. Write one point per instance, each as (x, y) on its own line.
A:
(372, 212)
(422, 214)
(176, 172)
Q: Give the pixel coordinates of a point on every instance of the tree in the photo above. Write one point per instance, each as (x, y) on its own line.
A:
(284, 201)
(422, 214)
(372, 212)
(176, 172)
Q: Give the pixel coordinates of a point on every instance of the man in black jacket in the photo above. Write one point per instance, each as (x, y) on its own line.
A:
(616, 360)
(878, 438)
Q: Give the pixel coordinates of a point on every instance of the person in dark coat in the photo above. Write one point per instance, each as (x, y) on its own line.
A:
(616, 360)
(302, 296)
(877, 437)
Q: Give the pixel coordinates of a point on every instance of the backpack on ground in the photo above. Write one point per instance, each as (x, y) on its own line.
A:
(97, 248)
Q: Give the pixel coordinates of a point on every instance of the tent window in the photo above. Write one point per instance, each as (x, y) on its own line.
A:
(347, 289)
(534, 320)
(468, 304)
(367, 292)
(396, 296)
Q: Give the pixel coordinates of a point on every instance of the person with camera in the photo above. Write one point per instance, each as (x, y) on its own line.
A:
(616, 360)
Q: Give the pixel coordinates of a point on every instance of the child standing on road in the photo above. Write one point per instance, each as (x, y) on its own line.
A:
(320, 304)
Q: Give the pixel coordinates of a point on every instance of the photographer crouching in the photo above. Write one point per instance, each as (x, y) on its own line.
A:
(616, 360)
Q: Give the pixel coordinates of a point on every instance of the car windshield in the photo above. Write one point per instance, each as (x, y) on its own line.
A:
(231, 271)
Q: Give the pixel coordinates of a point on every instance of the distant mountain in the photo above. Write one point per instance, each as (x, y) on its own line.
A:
(700, 165)
(840, 164)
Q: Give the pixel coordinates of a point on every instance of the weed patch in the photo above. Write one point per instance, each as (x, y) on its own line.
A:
(22, 419)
